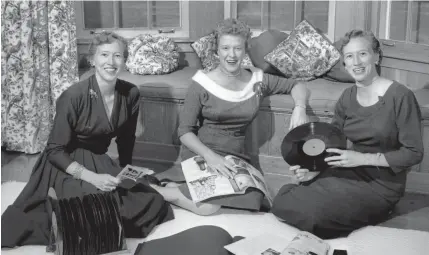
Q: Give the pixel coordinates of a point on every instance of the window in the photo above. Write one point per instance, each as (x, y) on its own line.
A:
(402, 26)
(283, 15)
(408, 21)
(130, 18)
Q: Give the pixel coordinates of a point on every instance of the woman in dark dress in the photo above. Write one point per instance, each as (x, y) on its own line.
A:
(382, 120)
(74, 163)
(221, 104)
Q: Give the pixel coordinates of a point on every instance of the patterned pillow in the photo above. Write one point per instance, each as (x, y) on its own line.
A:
(305, 54)
(204, 47)
(152, 55)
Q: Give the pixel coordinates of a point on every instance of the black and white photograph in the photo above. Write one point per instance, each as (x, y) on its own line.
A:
(135, 127)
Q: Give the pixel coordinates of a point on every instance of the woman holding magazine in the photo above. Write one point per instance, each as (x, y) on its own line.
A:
(222, 103)
(382, 119)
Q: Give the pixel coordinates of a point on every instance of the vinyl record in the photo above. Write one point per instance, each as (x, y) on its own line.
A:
(98, 230)
(65, 230)
(106, 223)
(115, 222)
(57, 229)
(70, 224)
(306, 145)
(122, 244)
(79, 225)
(87, 206)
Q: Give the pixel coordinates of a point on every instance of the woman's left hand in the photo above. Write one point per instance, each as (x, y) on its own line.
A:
(299, 117)
(345, 158)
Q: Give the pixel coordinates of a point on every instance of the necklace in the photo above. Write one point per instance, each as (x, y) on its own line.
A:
(230, 74)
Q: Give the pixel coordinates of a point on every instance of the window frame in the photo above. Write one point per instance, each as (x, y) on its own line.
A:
(379, 24)
(85, 33)
(230, 11)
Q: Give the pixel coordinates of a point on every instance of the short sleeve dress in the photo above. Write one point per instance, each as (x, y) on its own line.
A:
(341, 200)
(82, 132)
(219, 117)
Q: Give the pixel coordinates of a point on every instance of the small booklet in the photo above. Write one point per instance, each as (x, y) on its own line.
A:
(133, 172)
(205, 183)
(303, 243)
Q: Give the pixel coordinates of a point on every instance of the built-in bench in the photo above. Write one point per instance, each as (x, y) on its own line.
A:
(162, 99)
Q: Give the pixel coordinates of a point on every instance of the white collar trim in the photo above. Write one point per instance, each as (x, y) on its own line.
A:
(226, 94)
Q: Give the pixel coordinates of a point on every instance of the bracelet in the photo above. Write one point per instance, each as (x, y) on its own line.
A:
(75, 169)
(302, 106)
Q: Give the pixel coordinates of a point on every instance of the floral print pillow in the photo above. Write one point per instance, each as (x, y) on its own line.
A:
(205, 47)
(152, 55)
(305, 54)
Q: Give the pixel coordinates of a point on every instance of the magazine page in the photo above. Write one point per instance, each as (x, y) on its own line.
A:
(133, 172)
(248, 176)
(301, 243)
(203, 183)
(266, 244)
(306, 243)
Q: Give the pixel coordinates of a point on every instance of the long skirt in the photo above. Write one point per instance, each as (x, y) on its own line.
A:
(28, 222)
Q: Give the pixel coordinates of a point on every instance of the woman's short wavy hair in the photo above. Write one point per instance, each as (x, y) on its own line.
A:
(107, 37)
(232, 27)
(357, 33)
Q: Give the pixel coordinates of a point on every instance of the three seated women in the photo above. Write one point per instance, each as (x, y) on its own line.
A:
(379, 116)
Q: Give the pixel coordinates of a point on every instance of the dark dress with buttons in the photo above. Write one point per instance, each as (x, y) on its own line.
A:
(340, 200)
(82, 132)
(220, 117)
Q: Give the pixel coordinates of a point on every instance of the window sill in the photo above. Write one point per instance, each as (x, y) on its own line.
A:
(405, 51)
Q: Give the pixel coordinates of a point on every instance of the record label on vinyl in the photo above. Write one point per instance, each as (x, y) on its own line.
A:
(306, 145)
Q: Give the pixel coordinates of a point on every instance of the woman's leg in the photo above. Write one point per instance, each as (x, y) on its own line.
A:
(172, 194)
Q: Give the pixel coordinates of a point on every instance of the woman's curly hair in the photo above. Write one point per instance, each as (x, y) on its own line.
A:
(357, 33)
(107, 37)
(232, 27)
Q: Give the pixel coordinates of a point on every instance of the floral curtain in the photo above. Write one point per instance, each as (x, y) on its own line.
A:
(38, 62)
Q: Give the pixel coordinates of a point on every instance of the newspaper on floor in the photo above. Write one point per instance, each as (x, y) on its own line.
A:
(303, 243)
(204, 183)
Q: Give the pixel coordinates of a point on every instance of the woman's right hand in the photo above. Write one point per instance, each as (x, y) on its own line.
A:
(103, 182)
(218, 163)
(302, 174)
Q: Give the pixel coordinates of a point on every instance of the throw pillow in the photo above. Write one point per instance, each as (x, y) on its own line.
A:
(338, 72)
(264, 44)
(152, 55)
(305, 54)
(205, 49)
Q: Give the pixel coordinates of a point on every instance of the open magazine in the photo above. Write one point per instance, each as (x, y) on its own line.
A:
(204, 183)
(130, 174)
(304, 243)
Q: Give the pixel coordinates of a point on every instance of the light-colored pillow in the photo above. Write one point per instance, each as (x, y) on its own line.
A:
(205, 49)
(152, 55)
(305, 54)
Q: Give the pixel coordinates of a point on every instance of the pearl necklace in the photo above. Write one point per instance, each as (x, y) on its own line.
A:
(230, 74)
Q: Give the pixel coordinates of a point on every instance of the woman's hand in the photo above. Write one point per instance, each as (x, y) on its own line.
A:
(218, 163)
(103, 182)
(298, 117)
(302, 174)
(345, 158)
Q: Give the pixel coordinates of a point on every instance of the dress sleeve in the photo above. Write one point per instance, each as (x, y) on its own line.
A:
(339, 114)
(408, 121)
(191, 111)
(277, 85)
(62, 131)
(127, 134)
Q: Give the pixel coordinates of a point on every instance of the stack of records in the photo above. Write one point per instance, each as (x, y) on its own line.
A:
(91, 225)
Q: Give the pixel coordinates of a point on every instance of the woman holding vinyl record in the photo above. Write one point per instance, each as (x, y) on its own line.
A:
(89, 114)
(221, 104)
(381, 118)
